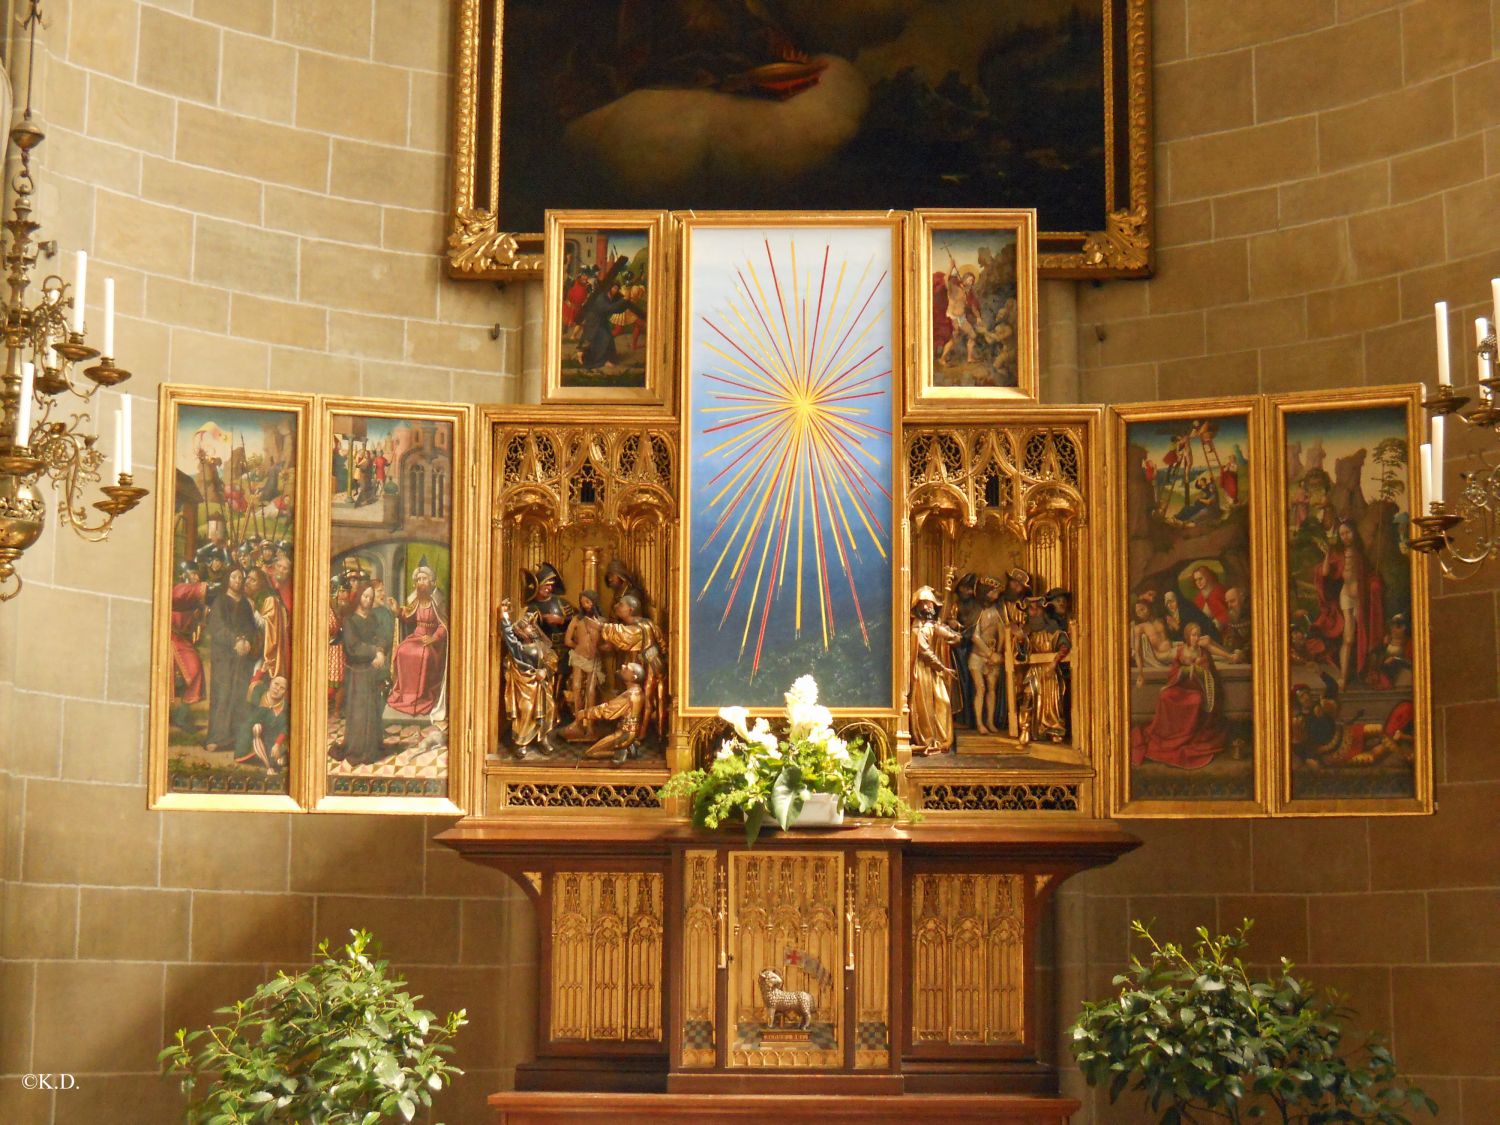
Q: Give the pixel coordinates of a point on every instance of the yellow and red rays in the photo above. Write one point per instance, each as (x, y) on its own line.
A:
(797, 483)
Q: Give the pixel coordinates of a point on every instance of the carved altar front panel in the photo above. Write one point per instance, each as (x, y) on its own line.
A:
(869, 907)
(786, 918)
(968, 959)
(606, 952)
(703, 894)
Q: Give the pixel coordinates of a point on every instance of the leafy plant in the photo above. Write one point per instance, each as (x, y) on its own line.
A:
(338, 1044)
(756, 774)
(1202, 1040)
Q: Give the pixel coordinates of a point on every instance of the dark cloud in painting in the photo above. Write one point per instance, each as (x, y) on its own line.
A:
(774, 104)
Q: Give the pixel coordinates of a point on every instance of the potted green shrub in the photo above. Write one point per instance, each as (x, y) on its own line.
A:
(338, 1044)
(1201, 1040)
(805, 779)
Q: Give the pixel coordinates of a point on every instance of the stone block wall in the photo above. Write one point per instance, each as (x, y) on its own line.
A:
(1327, 169)
(266, 181)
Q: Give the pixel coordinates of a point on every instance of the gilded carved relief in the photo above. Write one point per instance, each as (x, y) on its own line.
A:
(968, 959)
(582, 518)
(606, 956)
(999, 544)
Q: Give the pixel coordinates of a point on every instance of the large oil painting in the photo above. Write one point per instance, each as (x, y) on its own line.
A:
(1355, 728)
(835, 105)
(790, 333)
(1190, 589)
(389, 610)
(229, 589)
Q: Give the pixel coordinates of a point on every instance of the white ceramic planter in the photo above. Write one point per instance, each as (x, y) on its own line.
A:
(819, 810)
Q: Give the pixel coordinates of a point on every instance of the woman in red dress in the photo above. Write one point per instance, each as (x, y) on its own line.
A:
(420, 663)
(1188, 728)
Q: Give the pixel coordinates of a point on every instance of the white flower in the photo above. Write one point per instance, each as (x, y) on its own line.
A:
(736, 717)
(807, 718)
(726, 750)
(838, 749)
(804, 690)
(822, 736)
(767, 742)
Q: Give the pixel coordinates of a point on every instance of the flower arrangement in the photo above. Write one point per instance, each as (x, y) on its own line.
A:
(758, 774)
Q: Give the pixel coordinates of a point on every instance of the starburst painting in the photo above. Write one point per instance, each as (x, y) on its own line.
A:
(790, 401)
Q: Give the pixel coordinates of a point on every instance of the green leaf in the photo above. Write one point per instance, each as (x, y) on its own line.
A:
(754, 818)
(786, 795)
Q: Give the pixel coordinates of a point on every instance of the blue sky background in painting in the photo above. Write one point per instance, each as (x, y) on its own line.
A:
(851, 672)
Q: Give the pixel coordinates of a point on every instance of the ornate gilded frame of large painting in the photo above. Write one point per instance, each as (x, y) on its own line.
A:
(1353, 719)
(791, 339)
(606, 328)
(843, 138)
(228, 722)
(589, 495)
(974, 300)
(392, 525)
(1194, 727)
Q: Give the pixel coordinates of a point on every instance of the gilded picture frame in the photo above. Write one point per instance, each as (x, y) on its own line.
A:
(1105, 221)
(1314, 691)
(1189, 511)
(973, 292)
(705, 255)
(384, 525)
(235, 499)
(594, 265)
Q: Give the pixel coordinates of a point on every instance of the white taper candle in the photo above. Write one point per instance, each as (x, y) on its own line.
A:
(1445, 373)
(109, 317)
(1485, 366)
(1439, 450)
(118, 447)
(22, 435)
(128, 457)
(80, 288)
(1424, 482)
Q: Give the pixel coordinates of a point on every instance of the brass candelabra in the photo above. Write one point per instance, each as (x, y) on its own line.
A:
(44, 361)
(1462, 536)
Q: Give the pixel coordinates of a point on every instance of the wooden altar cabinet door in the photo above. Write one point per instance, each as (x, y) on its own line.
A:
(969, 946)
(602, 975)
(819, 911)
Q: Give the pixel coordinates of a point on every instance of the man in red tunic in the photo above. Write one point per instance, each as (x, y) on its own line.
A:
(189, 598)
